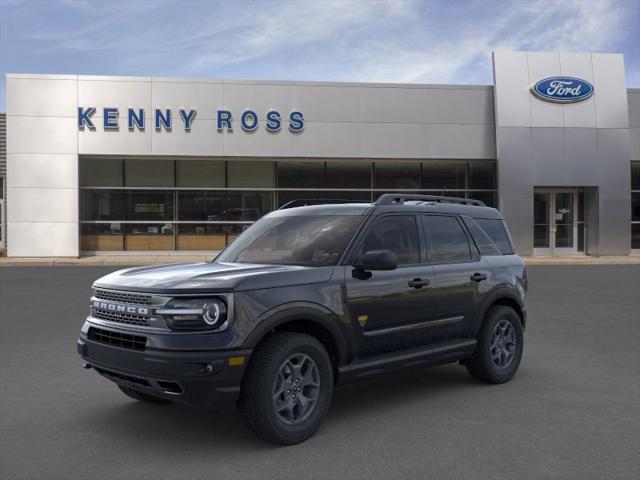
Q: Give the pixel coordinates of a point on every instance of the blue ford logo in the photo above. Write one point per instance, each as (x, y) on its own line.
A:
(562, 89)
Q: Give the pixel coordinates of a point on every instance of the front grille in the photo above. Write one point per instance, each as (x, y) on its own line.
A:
(128, 318)
(120, 376)
(123, 297)
(117, 339)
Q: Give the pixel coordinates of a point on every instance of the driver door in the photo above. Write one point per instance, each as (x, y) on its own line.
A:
(389, 309)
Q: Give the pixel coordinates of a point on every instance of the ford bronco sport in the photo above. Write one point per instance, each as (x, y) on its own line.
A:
(311, 297)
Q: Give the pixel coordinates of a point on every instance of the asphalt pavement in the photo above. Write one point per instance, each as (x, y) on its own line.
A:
(572, 411)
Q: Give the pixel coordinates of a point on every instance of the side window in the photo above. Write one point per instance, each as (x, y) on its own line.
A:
(497, 232)
(398, 234)
(447, 240)
(483, 242)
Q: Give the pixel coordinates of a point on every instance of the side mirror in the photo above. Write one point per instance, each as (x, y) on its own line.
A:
(377, 260)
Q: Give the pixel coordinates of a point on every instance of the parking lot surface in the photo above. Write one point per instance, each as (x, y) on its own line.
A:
(572, 411)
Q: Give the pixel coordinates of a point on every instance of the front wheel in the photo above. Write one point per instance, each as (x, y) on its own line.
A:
(500, 344)
(287, 388)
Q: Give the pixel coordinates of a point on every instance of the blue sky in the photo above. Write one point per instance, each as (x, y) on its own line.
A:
(438, 41)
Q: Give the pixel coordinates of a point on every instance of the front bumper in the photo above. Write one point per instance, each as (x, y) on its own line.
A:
(202, 379)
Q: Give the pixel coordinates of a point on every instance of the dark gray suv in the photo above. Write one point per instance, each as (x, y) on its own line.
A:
(311, 297)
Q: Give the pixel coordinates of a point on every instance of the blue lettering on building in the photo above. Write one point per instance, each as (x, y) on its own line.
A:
(187, 118)
(296, 122)
(163, 119)
(225, 120)
(249, 119)
(274, 123)
(84, 117)
(110, 118)
(136, 119)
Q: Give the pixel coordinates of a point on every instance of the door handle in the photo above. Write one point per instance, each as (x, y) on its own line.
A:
(418, 283)
(478, 277)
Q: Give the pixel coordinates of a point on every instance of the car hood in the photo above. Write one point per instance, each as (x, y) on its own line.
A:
(208, 276)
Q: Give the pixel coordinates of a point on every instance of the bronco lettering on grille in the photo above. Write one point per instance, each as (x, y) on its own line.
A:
(117, 308)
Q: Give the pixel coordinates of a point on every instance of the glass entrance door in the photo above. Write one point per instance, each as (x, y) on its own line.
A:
(555, 222)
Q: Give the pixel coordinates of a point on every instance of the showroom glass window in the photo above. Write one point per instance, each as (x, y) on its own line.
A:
(202, 204)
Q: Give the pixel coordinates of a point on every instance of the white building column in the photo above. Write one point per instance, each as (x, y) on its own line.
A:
(42, 166)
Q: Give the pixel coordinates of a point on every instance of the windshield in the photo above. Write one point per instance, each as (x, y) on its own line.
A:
(313, 241)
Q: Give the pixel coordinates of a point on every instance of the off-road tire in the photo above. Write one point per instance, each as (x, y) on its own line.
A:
(256, 404)
(482, 366)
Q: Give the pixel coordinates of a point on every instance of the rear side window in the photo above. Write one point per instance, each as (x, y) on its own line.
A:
(498, 233)
(396, 233)
(482, 240)
(447, 240)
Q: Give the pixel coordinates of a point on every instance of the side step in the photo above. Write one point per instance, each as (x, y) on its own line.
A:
(437, 354)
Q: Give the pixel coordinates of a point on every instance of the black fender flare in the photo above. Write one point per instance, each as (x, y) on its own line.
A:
(301, 311)
(501, 292)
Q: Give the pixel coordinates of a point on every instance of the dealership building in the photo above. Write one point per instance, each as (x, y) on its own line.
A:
(117, 165)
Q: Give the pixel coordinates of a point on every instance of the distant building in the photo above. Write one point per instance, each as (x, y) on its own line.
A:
(142, 164)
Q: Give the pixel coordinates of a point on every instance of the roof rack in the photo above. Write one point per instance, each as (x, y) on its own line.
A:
(303, 202)
(401, 198)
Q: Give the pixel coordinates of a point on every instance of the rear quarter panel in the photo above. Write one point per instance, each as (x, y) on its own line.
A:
(508, 280)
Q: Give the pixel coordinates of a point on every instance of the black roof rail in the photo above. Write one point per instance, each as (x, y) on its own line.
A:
(304, 202)
(401, 198)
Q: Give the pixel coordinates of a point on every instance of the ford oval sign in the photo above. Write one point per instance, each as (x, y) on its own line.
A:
(562, 89)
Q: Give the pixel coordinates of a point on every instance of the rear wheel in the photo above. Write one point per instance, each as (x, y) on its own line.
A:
(141, 396)
(500, 344)
(287, 388)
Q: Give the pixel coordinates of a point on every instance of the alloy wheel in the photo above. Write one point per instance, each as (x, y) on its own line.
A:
(296, 388)
(503, 344)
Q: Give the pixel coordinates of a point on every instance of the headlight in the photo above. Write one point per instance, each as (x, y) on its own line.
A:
(194, 313)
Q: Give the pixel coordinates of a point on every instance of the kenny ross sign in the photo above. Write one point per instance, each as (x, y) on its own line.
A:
(162, 119)
(562, 89)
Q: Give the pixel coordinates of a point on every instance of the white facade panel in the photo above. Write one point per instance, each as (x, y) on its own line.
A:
(612, 109)
(42, 205)
(393, 139)
(205, 97)
(120, 141)
(114, 93)
(581, 114)
(42, 97)
(321, 103)
(582, 157)
(461, 141)
(201, 140)
(511, 72)
(613, 162)
(461, 106)
(41, 134)
(395, 105)
(259, 98)
(327, 140)
(260, 143)
(43, 170)
(42, 239)
(544, 114)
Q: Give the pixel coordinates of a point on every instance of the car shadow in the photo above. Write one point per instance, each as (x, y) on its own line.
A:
(155, 424)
